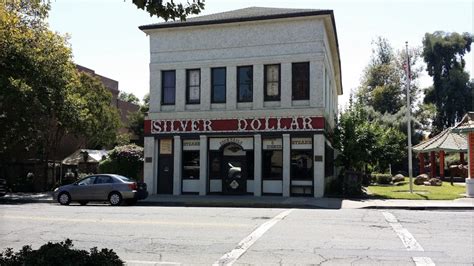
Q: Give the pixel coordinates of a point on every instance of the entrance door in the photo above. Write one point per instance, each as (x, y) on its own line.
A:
(234, 170)
(165, 175)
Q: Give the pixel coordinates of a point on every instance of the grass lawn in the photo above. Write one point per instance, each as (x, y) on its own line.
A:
(444, 192)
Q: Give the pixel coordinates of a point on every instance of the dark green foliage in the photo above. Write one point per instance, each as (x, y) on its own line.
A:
(452, 91)
(364, 141)
(384, 79)
(137, 120)
(382, 179)
(124, 160)
(128, 97)
(60, 253)
(169, 9)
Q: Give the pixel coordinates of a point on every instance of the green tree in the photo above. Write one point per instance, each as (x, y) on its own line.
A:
(97, 120)
(383, 81)
(364, 142)
(43, 97)
(137, 120)
(128, 97)
(36, 77)
(452, 90)
(169, 9)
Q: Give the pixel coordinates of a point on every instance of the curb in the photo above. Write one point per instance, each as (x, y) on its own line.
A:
(421, 208)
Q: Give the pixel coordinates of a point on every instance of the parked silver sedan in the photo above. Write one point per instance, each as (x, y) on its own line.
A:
(101, 187)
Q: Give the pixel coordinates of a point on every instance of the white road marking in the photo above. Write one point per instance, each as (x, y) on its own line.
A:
(423, 261)
(408, 240)
(233, 255)
(146, 262)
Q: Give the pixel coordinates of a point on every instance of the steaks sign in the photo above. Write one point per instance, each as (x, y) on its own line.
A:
(234, 125)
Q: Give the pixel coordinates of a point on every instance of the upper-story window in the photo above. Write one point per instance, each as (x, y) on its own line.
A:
(300, 77)
(272, 82)
(168, 87)
(193, 86)
(218, 85)
(245, 84)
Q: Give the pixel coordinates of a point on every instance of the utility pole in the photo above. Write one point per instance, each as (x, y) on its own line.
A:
(410, 164)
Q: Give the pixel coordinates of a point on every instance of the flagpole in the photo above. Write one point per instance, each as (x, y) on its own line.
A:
(410, 163)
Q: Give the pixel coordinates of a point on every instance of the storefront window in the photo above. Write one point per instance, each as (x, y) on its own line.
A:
(301, 165)
(190, 164)
(250, 164)
(214, 165)
(272, 164)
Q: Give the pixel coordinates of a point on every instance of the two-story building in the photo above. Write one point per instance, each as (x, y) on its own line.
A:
(243, 102)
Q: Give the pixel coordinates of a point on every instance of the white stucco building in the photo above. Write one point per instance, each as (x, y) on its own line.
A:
(243, 102)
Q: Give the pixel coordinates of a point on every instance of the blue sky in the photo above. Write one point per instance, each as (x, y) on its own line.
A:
(104, 34)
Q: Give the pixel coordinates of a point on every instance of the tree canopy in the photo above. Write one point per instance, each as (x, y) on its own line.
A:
(451, 92)
(128, 97)
(384, 79)
(169, 9)
(43, 96)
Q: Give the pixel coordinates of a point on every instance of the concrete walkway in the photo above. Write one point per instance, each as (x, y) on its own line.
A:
(267, 202)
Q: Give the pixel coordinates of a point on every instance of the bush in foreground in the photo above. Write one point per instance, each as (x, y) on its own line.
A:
(60, 253)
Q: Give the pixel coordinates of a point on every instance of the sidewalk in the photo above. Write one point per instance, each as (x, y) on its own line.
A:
(268, 202)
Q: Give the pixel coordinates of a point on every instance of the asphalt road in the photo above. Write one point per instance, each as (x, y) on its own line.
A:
(179, 235)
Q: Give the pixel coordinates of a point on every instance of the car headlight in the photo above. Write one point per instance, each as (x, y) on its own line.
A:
(56, 189)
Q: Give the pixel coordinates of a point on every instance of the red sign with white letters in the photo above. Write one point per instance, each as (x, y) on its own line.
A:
(272, 124)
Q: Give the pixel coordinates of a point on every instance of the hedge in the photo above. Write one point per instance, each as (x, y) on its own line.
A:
(60, 253)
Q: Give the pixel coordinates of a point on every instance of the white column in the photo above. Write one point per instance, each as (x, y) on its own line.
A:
(150, 167)
(316, 84)
(318, 148)
(155, 89)
(257, 86)
(205, 88)
(180, 89)
(286, 85)
(231, 87)
(177, 166)
(257, 181)
(203, 172)
(286, 164)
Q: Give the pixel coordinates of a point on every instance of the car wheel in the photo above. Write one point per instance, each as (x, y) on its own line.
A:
(83, 203)
(64, 198)
(115, 199)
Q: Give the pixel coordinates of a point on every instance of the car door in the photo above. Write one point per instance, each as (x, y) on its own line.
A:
(102, 187)
(82, 190)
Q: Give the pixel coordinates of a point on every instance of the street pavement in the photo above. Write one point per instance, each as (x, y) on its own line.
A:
(157, 235)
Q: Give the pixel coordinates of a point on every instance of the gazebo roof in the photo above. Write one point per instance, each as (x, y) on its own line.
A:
(466, 125)
(93, 156)
(447, 141)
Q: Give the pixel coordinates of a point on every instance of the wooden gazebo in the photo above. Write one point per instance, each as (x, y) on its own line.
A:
(445, 142)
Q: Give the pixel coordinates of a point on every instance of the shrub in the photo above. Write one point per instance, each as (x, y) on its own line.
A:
(383, 179)
(126, 160)
(60, 253)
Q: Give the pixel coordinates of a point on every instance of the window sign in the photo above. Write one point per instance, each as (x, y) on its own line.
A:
(191, 144)
(194, 86)
(301, 144)
(166, 146)
(272, 82)
(272, 144)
